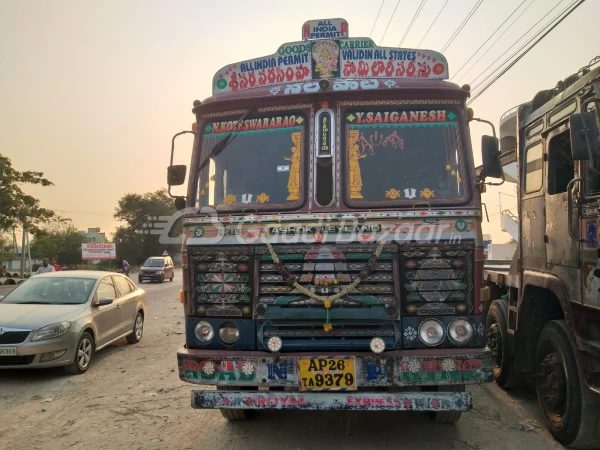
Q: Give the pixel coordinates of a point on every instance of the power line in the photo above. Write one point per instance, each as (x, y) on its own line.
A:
(462, 25)
(413, 21)
(390, 21)
(515, 43)
(377, 18)
(497, 39)
(432, 24)
(487, 40)
(526, 51)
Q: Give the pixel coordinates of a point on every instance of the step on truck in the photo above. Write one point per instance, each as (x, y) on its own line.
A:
(543, 307)
(333, 255)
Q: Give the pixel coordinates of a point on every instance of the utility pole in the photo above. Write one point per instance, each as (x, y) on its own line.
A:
(23, 252)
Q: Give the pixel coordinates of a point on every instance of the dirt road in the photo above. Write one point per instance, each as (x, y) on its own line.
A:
(131, 398)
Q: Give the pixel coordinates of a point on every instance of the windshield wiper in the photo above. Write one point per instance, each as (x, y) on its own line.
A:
(220, 146)
(33, 303)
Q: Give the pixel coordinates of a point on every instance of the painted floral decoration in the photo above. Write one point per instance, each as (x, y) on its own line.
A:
(392, 193)
(448, 365)
(410, 333)
(230, 199)
(208, 368)
(263, 198)
(248, 368)
(427, 193)
(414, 366)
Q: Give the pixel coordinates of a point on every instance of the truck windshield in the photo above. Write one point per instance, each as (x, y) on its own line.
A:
(261, 166)
(399, 156)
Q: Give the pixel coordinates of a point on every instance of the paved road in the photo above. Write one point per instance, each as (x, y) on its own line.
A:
(131, 398)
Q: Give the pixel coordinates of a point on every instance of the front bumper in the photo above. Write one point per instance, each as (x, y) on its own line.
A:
(402, 368)
(373, 401)
(30, 353)
(150, 276)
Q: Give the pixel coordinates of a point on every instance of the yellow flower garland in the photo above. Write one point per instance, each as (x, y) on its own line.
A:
(325, 300)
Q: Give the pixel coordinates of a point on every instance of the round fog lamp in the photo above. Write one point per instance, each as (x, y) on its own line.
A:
(229, 333)
(431, 332)
(377, 345)
(204, 331)
(274, 344)
(460, 331)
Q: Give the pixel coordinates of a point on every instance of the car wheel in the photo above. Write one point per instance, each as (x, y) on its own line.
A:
(140, 280)
(162, 278)
(138, 330)
(172, 276)
(83, 355)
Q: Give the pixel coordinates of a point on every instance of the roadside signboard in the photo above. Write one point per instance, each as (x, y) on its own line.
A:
(93, 251)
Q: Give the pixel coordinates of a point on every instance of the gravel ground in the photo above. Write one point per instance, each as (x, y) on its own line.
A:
(132, 398)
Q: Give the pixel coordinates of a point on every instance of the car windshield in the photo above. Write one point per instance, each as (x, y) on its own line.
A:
(402, 156)
(51, 291)
(154, 263)
(261, 165)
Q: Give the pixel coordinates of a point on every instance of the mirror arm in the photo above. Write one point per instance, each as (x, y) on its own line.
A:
(173, 153)
(486, 211)
(586, 132)
(494, 135)
(488, 122)
(570, 208)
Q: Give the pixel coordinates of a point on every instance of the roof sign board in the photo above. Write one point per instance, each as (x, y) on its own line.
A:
(165, 253)
(325, 29)
(344, 58)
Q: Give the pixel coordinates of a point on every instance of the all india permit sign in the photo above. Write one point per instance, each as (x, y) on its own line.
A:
(92, 251)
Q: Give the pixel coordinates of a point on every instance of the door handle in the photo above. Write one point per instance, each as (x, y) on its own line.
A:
(570, 209)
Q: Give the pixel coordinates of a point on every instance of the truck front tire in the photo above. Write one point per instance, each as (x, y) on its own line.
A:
(233, 414)
(448, 416)
(571, 410)
(498, 340)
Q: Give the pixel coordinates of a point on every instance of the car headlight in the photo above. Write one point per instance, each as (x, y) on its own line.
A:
(204, 331)
(460, 331)
(431, 332)
(51, 331)
(158, 272)
(229, 333)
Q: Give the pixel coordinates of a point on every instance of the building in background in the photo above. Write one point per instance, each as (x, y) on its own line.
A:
(94, 235)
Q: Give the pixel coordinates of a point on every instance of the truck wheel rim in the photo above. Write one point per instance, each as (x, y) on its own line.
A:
(494, 342)
(552, 384)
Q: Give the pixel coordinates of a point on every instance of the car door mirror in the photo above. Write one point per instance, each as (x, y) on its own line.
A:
(584, 135)
(103, 301)
(490, 156)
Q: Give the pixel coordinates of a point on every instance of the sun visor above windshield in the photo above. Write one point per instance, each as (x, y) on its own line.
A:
(320, 58)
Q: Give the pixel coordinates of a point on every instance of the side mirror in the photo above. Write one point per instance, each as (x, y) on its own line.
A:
(103, 301)
(584, 136)
(180, 203)
(490, 156)
(176, 175)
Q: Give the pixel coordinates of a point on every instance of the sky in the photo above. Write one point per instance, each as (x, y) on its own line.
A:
(92, 92)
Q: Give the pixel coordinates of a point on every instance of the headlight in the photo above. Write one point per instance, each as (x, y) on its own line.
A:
(229, 333)
(274, 344)
(51, 331)
(159, 272)
(204, 331)
(377, 345)
(431, 332)
(460, 331)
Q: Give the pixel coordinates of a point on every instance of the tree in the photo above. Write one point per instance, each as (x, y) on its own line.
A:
(17, 207)
(61, 240)
(134, 210)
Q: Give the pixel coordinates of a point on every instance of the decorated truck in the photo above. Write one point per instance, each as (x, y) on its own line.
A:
(333, 255)
(543, 307)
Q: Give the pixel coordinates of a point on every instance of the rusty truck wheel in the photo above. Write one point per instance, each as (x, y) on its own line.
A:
(498, 341)
(571, 410)
(233, 414)
(448, 416)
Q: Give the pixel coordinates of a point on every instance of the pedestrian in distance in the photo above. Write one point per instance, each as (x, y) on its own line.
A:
(46, 267)
(54, 264)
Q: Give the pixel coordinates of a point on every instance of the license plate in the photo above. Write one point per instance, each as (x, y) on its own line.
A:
(327, 374)
(8, 351)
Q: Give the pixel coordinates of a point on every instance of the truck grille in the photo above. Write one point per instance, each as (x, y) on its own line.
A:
(220, 281)
(327, 270)
(437, 280)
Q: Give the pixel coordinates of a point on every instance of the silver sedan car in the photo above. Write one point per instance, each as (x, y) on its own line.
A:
(63, 318)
